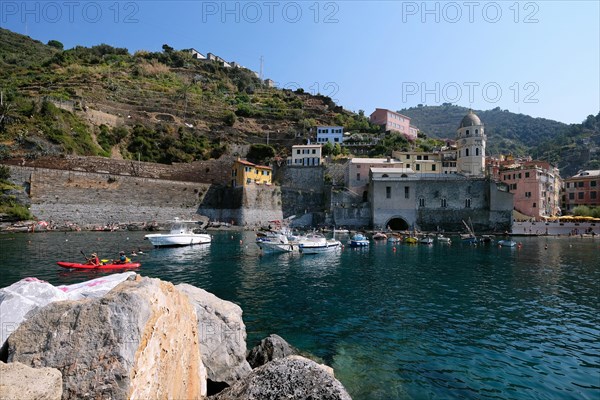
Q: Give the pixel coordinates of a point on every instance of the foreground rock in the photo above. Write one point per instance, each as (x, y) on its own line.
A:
(138, 341)
(271, 348)
(286, 378)
(18, 381)
(24, 298)
(222, 334)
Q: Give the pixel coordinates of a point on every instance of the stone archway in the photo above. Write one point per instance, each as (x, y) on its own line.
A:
(397, 224)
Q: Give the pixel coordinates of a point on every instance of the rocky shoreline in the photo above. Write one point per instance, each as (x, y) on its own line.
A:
(125, 336)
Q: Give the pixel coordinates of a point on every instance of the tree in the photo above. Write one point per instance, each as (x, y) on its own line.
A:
(260, 153)
(56, 44)
(327, 149)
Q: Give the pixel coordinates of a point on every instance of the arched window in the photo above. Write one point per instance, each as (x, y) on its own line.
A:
(403, 176)
(443, 203)
(466, 152)
(476, 151)
(476, 131)
(467, 132)
(385, 176)
(467, 203)
(421, 201)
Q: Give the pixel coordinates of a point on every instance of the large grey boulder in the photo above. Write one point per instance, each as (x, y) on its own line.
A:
(286, 378)
(139, 341)
(24, 298)
(222, 334)
(270, 348)
(18, 381)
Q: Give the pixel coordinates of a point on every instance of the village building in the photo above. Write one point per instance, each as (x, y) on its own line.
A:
(402, 198)
(330, 134)
(244, 173)
(392, 121)
(308, 155)
(536, 184)
(582, 189)
(357, 173)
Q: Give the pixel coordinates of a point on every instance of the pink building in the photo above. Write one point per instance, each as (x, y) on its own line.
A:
(582, 189)
(535, 184)
(392, 121)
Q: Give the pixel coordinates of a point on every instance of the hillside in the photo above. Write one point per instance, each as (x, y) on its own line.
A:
(570, 147)
(158, 107)
(168, 107)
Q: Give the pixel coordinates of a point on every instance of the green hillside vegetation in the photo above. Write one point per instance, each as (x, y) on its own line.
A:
(570, 147)
(158, 106)
(168, 107)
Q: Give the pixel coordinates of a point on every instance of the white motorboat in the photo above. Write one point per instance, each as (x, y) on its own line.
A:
(507, 243)
(316, 243)
(181, 234)
(426, 240)
(276, 243)
(443, 239)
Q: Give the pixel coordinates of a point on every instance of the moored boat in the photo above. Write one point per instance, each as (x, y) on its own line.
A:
(316, 243)
(426, 240)
(181, 234)
(359, 240)
(394, 238)
(277, 243)
(507, 243)
(411, 240)
(443, 239)
(72, 265)
(379, 236)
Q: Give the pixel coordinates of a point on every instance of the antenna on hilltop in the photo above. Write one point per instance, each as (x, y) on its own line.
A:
(260, 75)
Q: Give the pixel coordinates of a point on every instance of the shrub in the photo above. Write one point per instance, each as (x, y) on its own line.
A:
(229, 118)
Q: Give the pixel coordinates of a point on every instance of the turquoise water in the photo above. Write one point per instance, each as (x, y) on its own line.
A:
(417, 322)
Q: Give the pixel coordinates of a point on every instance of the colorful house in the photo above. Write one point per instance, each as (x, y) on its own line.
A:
(582, 189)
(307, 155)
(244, 173)
(393, 122)
(535, 184)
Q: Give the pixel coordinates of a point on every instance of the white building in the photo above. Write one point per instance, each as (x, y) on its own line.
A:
(331, 134)
(357, 175)
(306, 155)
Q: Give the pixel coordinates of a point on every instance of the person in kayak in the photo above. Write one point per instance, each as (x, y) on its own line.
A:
(122, 258)
(93, 260)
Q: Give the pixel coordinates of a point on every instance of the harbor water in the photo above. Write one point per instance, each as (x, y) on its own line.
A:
(394, 321)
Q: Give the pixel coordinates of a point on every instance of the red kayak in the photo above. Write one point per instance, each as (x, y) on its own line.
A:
(129, 265)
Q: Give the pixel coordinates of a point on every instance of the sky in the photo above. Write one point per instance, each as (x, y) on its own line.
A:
(540, 58)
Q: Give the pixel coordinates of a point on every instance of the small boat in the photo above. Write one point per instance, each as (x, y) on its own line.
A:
(468, 237)
(443, 239)
(507, 243)
(394, 238)
(112, 265)
(181, 234)
(426, 240)
(359, 240)
(316, 243)
(379, 236)
(277, 243)
(411, 240)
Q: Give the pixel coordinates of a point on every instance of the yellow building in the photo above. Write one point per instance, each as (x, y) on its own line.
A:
(245, 173)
